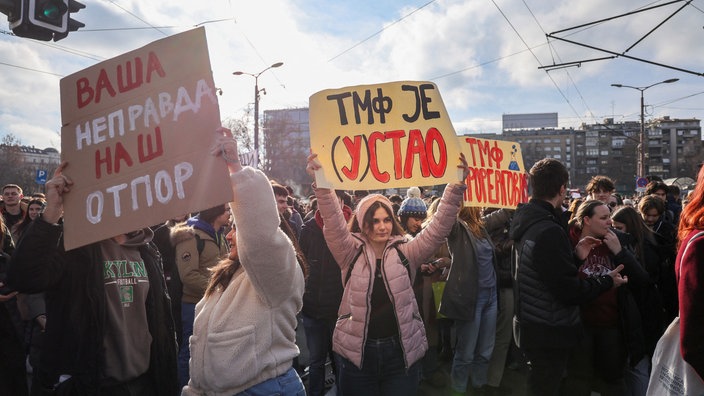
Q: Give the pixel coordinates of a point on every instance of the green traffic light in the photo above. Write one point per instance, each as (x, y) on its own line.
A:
(51, 11)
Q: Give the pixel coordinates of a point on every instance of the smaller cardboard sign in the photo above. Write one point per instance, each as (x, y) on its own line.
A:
(389, 135)
(496, 177)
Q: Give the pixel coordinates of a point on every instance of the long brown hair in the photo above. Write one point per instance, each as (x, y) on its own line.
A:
(471, 216)
(221, 275)
(224, 270)
(636, 227)
(692, 216)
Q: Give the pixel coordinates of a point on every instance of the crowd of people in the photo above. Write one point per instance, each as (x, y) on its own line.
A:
(386, 289)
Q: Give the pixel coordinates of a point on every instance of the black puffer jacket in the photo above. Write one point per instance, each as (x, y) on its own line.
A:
(548, 291)
(321, 299)
(76, 309)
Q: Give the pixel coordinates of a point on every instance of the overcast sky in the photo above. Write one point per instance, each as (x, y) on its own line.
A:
(484, 56)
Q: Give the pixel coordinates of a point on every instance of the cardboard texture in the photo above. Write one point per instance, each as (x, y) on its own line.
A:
(137, 132)
(496, 177)
(389, 135)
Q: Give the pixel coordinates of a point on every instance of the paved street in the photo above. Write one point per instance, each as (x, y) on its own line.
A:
(513, 379)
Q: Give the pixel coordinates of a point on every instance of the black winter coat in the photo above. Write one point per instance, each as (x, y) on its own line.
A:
(548, 290)
(76, 306)
(323, 293)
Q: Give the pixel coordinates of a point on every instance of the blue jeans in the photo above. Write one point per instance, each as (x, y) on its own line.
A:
(188, 313)
(319, 339)
(475, 343)
(287, 384)
(383, 371)
(637, 377)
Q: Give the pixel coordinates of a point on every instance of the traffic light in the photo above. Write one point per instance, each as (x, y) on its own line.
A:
(49, 14)
(44, 19)
(71, 24)
(11, 8)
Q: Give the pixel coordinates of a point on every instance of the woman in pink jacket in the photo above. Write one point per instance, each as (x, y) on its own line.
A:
(379, 337)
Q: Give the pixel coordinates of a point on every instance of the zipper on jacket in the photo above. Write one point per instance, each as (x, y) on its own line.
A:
(369, 307)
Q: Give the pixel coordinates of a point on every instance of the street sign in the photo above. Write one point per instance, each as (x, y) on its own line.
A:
(641, 182)
(41, 176)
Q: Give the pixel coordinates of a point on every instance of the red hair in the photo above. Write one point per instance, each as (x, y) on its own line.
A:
(692, 216)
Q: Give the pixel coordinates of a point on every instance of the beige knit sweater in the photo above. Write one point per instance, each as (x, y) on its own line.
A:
(245, 334)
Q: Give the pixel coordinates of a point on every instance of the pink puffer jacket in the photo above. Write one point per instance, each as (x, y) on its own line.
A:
(353, 316)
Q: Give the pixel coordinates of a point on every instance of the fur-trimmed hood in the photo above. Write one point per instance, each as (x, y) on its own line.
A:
(181, 232)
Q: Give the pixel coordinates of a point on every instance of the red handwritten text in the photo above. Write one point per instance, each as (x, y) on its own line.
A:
(127, 77)
(148, 148)
(429, 149)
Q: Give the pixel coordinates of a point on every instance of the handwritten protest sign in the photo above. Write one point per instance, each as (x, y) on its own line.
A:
(389, 135)
(496, 175)
(136, 133)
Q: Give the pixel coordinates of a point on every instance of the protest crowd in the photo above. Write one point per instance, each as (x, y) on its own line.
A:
(392, 294)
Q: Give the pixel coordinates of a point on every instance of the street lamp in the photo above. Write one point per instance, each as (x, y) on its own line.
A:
(256, 103)
(641, 139)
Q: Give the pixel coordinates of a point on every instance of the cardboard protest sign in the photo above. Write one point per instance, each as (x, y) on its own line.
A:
(496, 175)
(137, 131)
(389, 135)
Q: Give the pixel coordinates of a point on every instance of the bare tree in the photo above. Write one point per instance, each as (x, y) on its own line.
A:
(241, 131)
(286, 143)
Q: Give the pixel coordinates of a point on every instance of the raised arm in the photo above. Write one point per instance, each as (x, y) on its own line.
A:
(36, 261)
(265, 252)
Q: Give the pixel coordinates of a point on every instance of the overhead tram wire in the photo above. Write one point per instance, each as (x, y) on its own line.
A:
(31, 69)
(87, 54)
(251, 44)
(552, 49)
(537, 60)
(137, 17)
(381, 30)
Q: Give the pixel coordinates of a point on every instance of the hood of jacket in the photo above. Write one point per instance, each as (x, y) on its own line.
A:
(528, 214)
(199, 224)
(181, 232)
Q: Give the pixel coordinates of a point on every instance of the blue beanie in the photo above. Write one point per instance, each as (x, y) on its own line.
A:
(413, 206)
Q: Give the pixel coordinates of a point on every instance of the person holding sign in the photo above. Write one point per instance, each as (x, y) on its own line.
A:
(109, 326)
(244, 333)
(379, 338)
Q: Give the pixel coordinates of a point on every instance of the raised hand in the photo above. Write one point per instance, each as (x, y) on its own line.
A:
(615, 274)
(56, 187)
(612, 242)
(312, 165)
(464, 166)
(226, 146)
(585, 245)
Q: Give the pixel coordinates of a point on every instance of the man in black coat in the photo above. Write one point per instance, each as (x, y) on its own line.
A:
(547, 323)
(321, 299)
